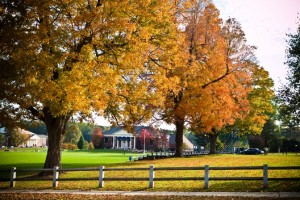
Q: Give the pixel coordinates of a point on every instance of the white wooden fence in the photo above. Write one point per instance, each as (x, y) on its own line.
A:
(151, 178)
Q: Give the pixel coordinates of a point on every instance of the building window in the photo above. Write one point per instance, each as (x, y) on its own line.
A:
(105, 140)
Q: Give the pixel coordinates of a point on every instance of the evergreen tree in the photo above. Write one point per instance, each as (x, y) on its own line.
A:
(289, 94)
(80, 143)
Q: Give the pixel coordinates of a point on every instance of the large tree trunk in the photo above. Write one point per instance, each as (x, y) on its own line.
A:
(212, 143)
(56, 128)
(179, 137)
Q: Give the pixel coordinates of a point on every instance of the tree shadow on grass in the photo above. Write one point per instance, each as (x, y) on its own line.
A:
(93, 165)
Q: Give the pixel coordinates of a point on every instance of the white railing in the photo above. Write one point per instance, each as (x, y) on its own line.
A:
(151, 178)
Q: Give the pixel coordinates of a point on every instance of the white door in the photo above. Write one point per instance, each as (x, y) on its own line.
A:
(124, 144)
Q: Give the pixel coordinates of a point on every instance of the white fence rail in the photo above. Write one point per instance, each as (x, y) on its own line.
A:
(151, 178)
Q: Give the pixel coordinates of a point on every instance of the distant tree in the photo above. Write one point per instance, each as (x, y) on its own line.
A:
(275, 143)
(164, 141)
(290, 145)
(219, 145)
(87, 130)
(80, 143)
(144, 136)
(1, 138)
(97, 137)
(256, 141)
(18, 138)
(37, 127)
(289, 94)
(270, 133)
(73, 134)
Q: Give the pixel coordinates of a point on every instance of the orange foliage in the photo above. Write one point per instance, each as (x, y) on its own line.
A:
(214, 73)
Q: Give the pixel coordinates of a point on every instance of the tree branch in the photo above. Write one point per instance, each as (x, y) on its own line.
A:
(217, 79)
(36, 113)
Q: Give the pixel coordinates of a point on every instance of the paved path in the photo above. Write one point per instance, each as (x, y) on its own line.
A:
(146, 193)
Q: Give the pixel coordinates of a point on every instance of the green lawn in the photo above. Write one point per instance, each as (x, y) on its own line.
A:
(108, 158)
(35, 158)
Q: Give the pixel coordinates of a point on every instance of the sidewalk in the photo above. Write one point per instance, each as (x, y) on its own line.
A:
(145, 193)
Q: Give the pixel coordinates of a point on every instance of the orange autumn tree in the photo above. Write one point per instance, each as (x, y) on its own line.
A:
(235, 104)
(215, 77)
(261, 104)
(141, 91)
(66, 58)
(260, 92)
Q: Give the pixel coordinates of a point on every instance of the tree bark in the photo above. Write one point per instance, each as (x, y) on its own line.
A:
(56, 128)
(179, 123)
(213, 143)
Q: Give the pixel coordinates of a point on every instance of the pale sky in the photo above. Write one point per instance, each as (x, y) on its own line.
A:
(265, 23)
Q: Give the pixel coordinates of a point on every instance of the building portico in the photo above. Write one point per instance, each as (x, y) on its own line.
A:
(141, 138)
(120, 139)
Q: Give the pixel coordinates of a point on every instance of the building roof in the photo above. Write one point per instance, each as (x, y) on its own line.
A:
(185, 141)
(43, 136)
(192, 138)
(23, 131)
(113, 130)
(34, 137)
(121, 131)
(117, 131)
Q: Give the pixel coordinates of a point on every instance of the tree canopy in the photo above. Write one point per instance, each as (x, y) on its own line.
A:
(74, 57)
(289, 94)
(214, 75)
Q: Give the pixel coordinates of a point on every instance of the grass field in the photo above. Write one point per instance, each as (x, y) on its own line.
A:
(31, 159)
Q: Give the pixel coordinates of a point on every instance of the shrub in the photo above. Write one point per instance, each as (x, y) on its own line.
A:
(68, 146)
(91, 146)
(85, 145)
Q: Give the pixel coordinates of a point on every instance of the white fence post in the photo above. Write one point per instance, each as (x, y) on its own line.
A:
(55, 176)
(13, 175)
(101, 176)
(265, 176)
(206, 176)
(151, 177)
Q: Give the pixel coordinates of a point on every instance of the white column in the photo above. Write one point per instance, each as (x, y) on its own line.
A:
(130, 143)
(117, 142)
(134, 142)
(113, 141)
